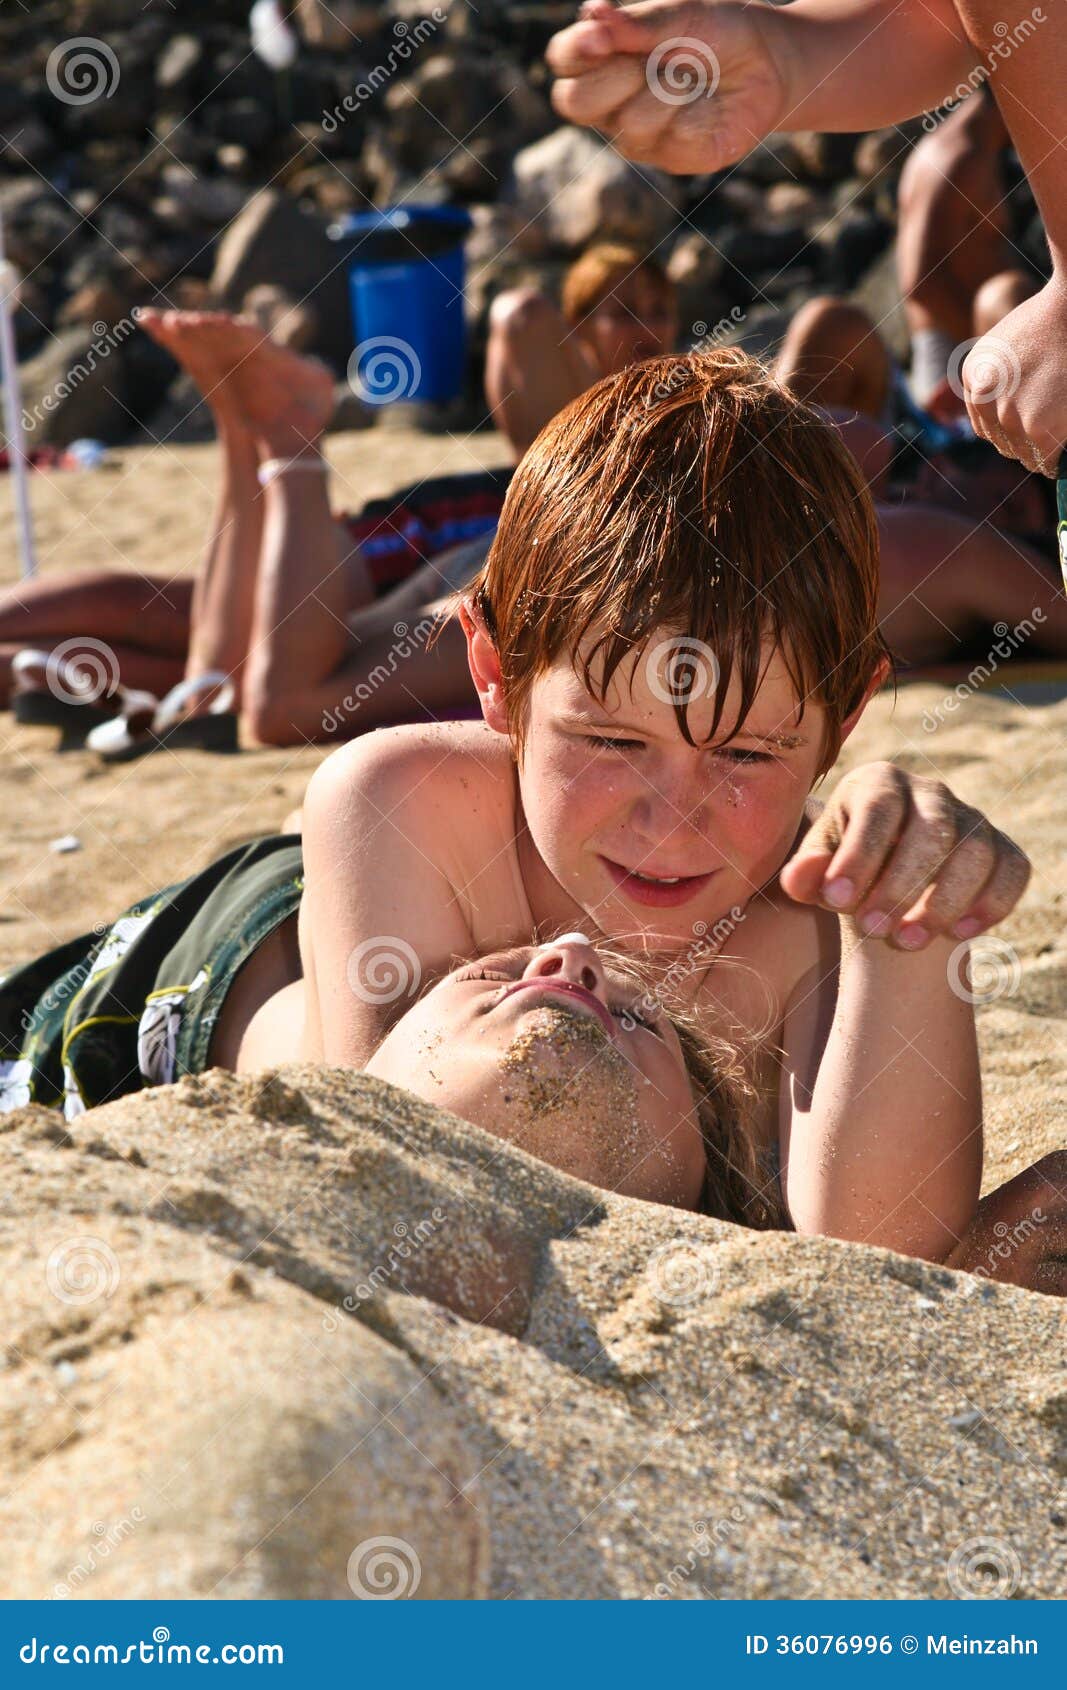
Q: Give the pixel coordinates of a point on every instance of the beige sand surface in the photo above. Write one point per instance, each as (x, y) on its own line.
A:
(153, 821)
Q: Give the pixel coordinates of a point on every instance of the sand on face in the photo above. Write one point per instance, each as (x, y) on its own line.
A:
(152, 822)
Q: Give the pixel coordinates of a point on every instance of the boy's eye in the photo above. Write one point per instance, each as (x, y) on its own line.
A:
(614, 744)
(738, 756)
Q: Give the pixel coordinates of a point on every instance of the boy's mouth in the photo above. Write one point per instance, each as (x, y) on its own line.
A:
(659, 891)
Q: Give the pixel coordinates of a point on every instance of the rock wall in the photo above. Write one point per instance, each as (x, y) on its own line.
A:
(134, 170)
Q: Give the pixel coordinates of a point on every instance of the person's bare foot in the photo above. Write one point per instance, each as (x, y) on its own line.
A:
(285, 398)
(181, 333)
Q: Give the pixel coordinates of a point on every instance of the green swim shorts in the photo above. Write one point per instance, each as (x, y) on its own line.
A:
(135, 1004)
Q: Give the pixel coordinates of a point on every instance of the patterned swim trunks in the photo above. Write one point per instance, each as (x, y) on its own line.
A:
(136, 1004)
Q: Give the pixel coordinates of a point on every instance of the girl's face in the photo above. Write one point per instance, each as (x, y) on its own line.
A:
(549, 1047)
(637, 320)
(654, 839)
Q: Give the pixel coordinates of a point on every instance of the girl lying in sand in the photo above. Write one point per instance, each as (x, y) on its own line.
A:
(563, 1049)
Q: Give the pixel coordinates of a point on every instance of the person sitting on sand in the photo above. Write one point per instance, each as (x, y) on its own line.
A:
(618, 305)
(227, 636)
(958, 272)
(968, 537)
(561, 1048)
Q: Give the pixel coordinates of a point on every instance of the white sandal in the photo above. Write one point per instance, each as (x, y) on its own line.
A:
(151, 724)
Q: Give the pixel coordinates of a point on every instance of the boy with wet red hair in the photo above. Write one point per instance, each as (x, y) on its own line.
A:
(673, 634)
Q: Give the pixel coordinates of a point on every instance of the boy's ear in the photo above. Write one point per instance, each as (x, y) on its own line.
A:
(875, 684)
(484, 666)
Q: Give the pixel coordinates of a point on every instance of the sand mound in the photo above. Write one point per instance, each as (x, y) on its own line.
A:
(286, 1337)
(224, 1373)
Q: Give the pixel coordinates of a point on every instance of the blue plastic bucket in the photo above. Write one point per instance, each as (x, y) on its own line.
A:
(406, 273)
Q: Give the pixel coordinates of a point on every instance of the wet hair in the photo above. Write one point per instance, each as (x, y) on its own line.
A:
(693, 494)
(602, 268)
(738, 1185)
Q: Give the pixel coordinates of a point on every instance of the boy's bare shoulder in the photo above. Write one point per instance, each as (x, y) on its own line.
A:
(418, 764)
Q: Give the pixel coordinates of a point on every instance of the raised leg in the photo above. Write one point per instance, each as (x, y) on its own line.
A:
(225, 587)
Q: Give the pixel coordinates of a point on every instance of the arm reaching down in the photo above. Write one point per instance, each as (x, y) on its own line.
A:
(881, 1128)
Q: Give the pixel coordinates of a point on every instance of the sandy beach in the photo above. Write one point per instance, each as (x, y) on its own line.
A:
(146, 824)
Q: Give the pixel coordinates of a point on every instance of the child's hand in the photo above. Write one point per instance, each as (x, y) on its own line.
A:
(686, 87)
(904, 856)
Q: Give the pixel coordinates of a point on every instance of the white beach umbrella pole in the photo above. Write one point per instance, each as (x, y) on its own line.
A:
(9, 373)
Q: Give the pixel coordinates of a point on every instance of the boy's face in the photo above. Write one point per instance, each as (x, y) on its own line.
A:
(649, 835)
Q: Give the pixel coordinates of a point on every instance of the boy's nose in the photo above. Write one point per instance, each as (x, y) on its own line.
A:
(573, 959)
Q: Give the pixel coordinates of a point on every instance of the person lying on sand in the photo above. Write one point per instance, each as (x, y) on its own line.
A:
(281, 575)
(618, 305)
(561, 1048)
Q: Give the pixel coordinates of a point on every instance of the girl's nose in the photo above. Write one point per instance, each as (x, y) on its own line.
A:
(573, 959)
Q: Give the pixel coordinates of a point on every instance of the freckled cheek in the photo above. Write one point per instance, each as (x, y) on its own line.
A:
(581, 797)
(755, 822)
